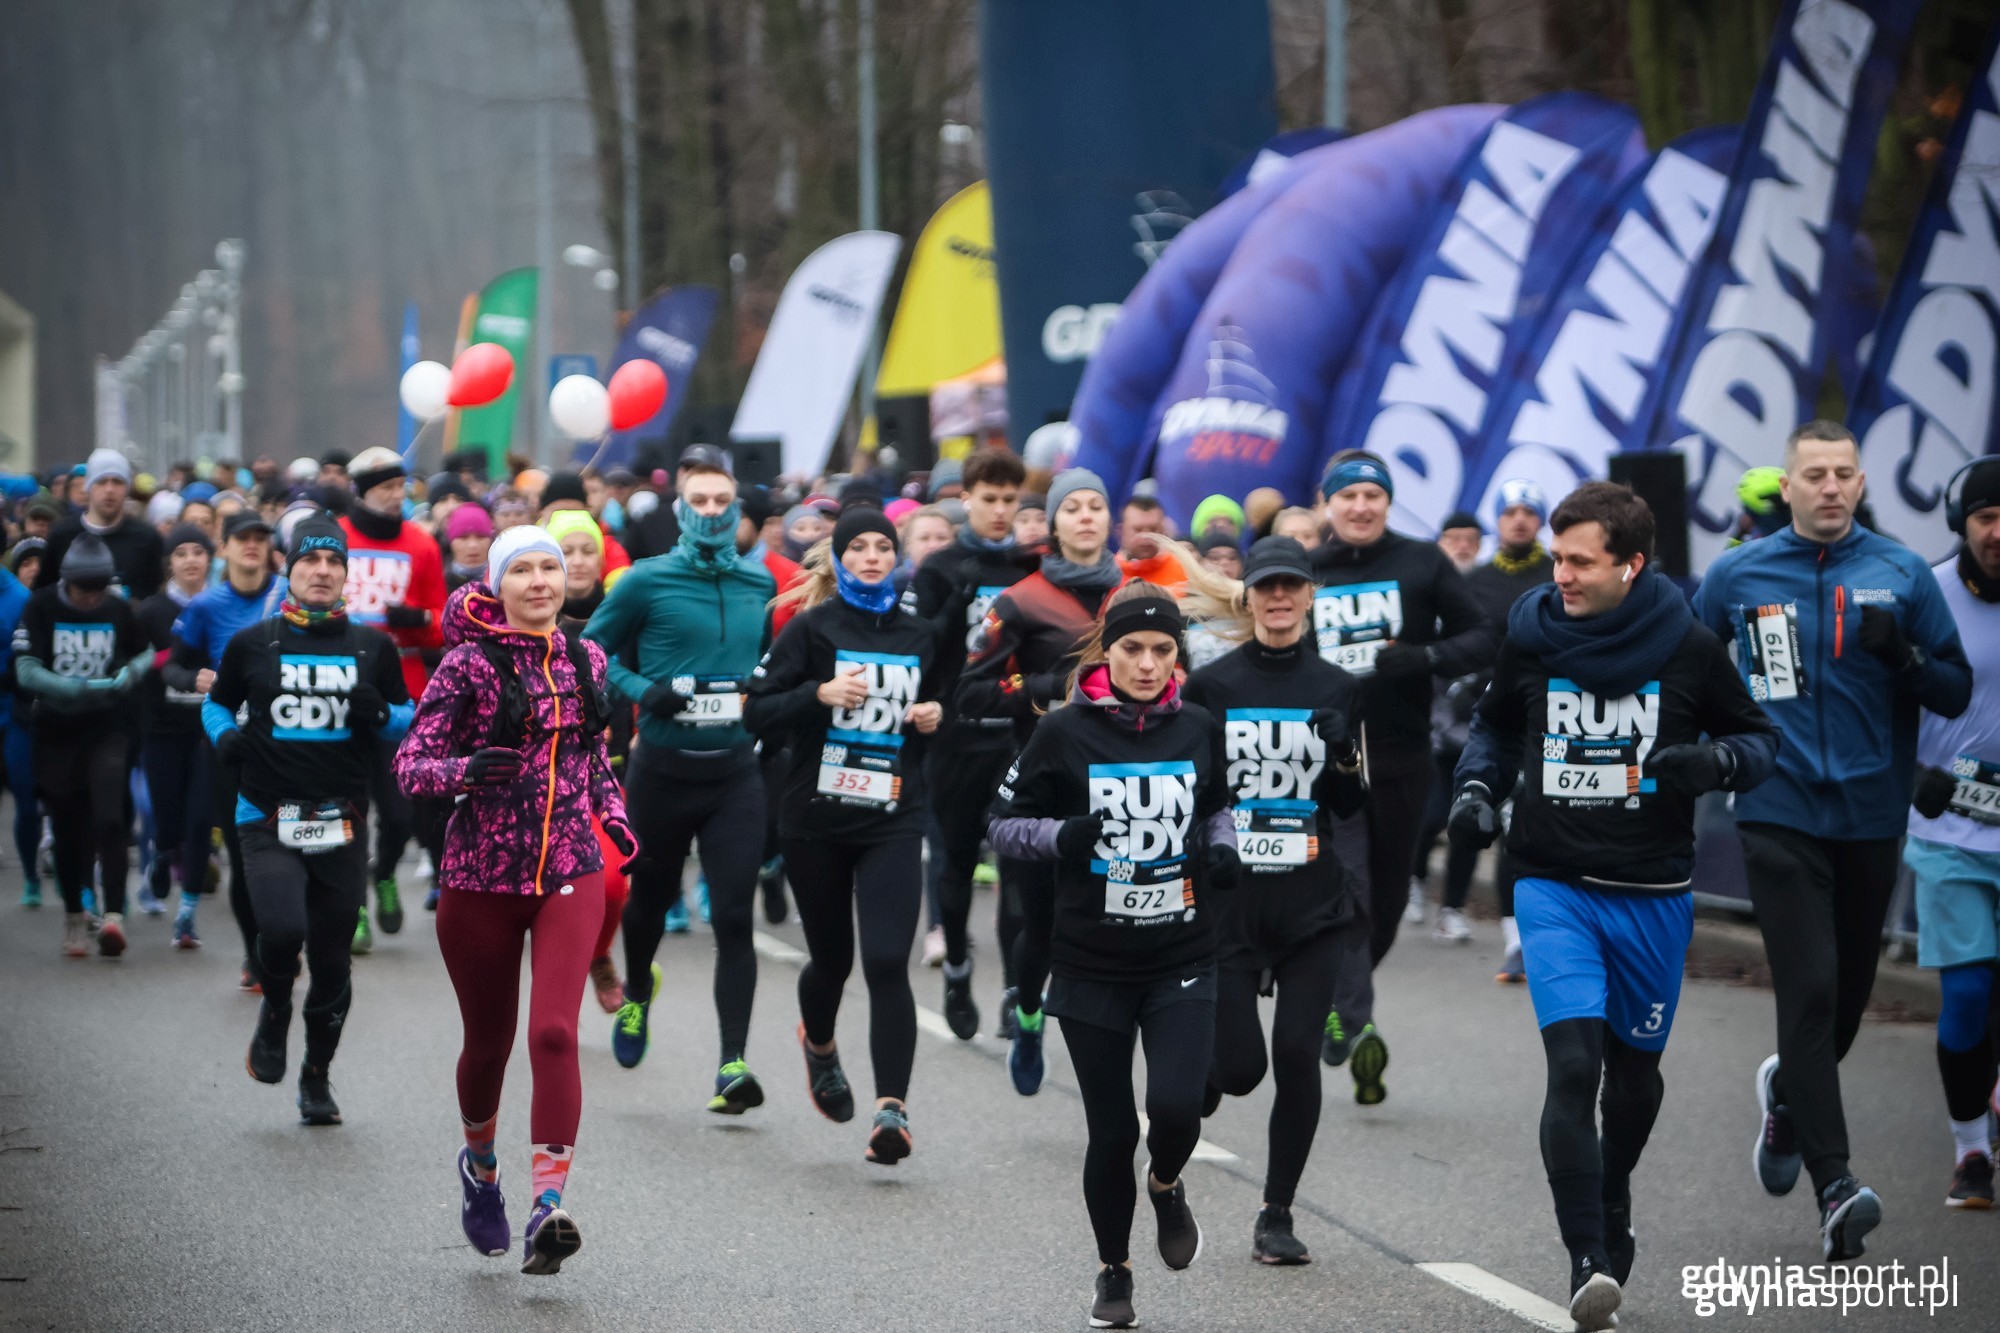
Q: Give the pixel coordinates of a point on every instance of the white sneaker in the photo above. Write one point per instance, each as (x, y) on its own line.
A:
(1414, 913)
(934, 947)
(1451, 927)
(424, 868)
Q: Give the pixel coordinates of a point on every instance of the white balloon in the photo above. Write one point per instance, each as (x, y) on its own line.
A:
(1049, 448)
(424, 389)
(580, 407)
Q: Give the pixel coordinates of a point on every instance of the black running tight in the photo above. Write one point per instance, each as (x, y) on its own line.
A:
(880, 886)
(83, 786)
(1305, 990)
(1178, 1040)
(1581, 1176)
(961, 792)
(1037, 899)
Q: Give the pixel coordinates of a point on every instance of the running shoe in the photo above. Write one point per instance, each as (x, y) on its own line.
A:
(425, 870)
(1512, 971)
(246, 980)
(1776, 1153)
(736, 1090)
(701, 898)
(1971, 1182)
(1621, 1246)
(1336, 1045)
(316, 1104)
(961, 1012)
(1451, 927)
(160, 874)
(1594, 1295)
(1005, 1031)
(677, 918)
(111, 935)
(1113, 1306)
(149, 902)
(388, 906)
(985, 874)
(889, 1141)
(364, 938)
(431, 898)
(31, 893)
(1413, 914)
(266, 1059)
(1273, 1241)
(550, 1238)
(934, 947)
(1179, 1233)
(826, 1083)
(1848, 1211)
(1024, 1058)
(76, 935)
(771, 879)
(184, 936)
(482, 1209)
(1369, 1058)
(90, 906)
(629, 1034)
(605, 982)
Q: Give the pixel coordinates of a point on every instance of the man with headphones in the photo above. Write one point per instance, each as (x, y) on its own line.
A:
(1843, 636)
(1954, 844)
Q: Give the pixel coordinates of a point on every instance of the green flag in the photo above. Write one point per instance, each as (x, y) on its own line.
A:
(506, 315)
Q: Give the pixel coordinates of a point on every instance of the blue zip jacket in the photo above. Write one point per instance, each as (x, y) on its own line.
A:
(1850, 733)
(14, 596)
(206, 624)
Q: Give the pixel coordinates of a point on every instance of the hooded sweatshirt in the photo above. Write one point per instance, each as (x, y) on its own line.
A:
(1017, 658)
(1578, 705)
(530, 835)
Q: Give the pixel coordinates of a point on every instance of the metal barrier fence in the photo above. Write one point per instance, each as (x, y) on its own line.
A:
(178, 394)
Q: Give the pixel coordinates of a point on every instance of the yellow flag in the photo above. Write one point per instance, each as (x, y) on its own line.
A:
(949, 319)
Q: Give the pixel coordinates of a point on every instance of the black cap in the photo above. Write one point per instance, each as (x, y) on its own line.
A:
(242, 521)
(88, 562)
(182, 534)
(335, 458)
(1275, 558)
(316, 532)
(564, 486)
(707, 455)
(1460, 518)
(444, 484)
(757, 505)
(859, 493)
(1037, 501)
(620, 475)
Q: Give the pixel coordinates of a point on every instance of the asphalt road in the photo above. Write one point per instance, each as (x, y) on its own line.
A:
(147, 1183)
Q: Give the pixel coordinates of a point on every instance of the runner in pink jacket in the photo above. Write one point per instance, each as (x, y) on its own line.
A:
(511, 729)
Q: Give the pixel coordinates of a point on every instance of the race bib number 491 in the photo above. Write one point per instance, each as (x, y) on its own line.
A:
(1353, 622)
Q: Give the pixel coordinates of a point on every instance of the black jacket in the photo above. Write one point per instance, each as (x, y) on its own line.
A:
(954, 588)
(165, 709)
(1408, 591)
(1496, 589)
(137, 553)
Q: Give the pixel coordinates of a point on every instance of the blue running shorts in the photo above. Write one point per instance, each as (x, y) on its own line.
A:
(1614, 956)
(1958, 903)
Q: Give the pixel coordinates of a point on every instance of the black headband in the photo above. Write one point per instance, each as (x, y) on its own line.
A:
(1144, 613)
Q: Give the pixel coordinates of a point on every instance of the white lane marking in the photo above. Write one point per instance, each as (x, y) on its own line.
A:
(931, 1021)
(1523, 1305)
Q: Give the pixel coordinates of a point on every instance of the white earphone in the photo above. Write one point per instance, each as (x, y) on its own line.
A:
(1628, 575)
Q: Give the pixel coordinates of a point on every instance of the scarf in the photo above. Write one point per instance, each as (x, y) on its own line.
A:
(972, 541)
(709, 539)
(1099, 578)
(306, 617)
(1094, 687)
(874, 598)
(1974, 578)
(375, 525)
(1610, 655)
(468, 572)
(1521, 564)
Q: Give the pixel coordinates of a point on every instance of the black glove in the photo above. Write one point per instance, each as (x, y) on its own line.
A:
(1933, 791)
(405, 617)
(1403, 659)
(1331, 724)
(1079, 835)
(1220, 866)
(661, 699)
(229, 748)
(1880, 635)
(1692, 769)
(624, 840)
(1473, 819)
(493, 767)
(366, 706)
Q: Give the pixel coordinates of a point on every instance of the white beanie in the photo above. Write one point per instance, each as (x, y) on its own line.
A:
(104, 463)
(514, 543)
(164, 507)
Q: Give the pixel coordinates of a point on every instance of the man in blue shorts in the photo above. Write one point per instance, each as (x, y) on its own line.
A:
(1604, 692)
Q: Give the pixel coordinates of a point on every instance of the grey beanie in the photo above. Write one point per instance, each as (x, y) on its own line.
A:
(88, 560)
(1068, 483)
(948, 472)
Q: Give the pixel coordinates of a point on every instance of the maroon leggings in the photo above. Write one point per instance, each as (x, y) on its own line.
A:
(480, 935)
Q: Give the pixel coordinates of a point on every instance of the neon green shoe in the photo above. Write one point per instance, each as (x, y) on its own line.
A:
(986, 874)
(736, 1090)
(364, 938)
(1334, 1049)
(1371, 1057)
(629, 1035)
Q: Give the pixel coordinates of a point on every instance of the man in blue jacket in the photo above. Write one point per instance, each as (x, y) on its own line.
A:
(1842, 636)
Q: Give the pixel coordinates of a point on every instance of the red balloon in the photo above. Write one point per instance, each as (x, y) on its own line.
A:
(638, 390)
(481, 374)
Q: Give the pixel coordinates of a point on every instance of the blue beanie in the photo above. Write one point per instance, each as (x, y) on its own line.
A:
(1520, 492)
(1352, 470)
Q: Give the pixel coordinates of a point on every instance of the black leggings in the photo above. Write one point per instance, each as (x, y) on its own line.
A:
(1820, 905)
(880, 884)
(395, 820)
(83, 789)
(671, 804)
(1583, 1175)
(1395, 810)
(179, 788)
(1036, 898)
(1304, 981)
(1178, 1039)
(307, 903)
(961, 793)
(223, 781)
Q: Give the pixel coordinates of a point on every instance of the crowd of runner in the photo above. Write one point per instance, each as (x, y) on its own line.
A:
(1196, 768)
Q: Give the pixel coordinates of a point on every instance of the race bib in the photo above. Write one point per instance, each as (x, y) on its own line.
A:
(1977, 795)
(861, 761)
(1355, 621)
(713, 701)
(1767, 639)
(860, 775)
(1282, 844)
(319, 828)
(1274, 758)
(1142, 853)
(1585, 771)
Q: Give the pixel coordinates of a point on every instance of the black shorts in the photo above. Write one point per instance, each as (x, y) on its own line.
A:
(1120, 1005)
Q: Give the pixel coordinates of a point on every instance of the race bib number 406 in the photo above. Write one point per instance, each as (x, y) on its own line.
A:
(1352, 623)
